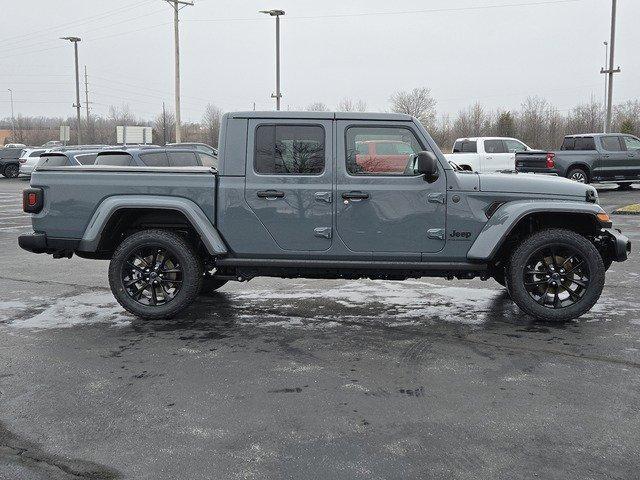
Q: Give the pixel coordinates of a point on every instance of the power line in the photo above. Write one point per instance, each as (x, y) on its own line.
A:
(401, 12)
(75, 23)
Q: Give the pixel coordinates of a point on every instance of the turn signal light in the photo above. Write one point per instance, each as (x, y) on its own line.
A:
(604, 218)
(550, 162)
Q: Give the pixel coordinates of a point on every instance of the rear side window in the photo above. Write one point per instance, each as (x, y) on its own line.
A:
(469, 146)
(585, 143)
(568, 143)
(289, 150)
(183, 159)
(115, 160)
(514, 146)
(155, 159)
(208, 160)
(53, 161)
(87, 158)
(611, 144)
(632, 143)
(36, 153)
(494, 146)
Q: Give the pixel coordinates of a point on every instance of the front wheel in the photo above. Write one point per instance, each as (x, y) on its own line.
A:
(556, 275)
(155, 274)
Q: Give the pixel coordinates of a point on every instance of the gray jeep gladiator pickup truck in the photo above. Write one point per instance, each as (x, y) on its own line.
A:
(297, 195)
(589, 158)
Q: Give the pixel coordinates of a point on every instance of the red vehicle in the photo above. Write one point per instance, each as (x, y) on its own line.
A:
(383, 156)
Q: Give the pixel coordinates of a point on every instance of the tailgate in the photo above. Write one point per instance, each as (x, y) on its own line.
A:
(531, 161)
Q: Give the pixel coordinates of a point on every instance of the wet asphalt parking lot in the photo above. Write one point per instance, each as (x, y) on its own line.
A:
(312, 379)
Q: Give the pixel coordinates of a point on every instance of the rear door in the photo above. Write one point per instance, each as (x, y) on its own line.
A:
(614, 163)
(496, 157)
(513, 146)
(289, 179)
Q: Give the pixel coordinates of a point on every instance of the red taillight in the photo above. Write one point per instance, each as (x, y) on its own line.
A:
(32, 200)
(22, 160)
(550, 161)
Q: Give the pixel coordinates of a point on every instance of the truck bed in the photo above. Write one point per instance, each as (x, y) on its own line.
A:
(72, 194)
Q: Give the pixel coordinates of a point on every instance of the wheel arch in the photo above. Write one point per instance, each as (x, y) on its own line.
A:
(115, 215)
(514, 220)
(581, 166)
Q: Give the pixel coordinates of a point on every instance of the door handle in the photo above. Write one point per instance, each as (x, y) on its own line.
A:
(489, 158)
(606, 155)
(355, 195)
(270, 194)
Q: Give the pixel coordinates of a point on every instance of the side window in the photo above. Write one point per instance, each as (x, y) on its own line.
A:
(632, 143)
(391, 150)
(568, 143)
(494, 146)
(36, 153)
(155, 159)
(470, 146)
(289, 150)
(87, 158)
(585, 143)
(611, 144)
(182, 159)
(514, 146)
(457, 147)
(208, 160)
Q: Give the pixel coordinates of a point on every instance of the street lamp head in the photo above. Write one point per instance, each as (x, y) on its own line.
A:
(273, 13)
(71, 39)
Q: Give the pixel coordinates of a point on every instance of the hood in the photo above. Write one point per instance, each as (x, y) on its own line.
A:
(532, 183)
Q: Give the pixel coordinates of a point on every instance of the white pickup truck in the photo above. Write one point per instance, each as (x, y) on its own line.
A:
(486, 154)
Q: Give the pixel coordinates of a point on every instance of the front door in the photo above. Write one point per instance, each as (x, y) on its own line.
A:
(289, 180)
(383, 207)
(633, 155)
(613, 159)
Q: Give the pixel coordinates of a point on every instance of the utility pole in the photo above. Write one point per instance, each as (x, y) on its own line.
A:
(277, 14)
(86, 103)
(177, 5)
(164, 124)
(77, 105)
(606, 60)
(13, 118)
(610, 71)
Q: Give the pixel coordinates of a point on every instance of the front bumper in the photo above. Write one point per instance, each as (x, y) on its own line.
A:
(621, 245)
(40, 243)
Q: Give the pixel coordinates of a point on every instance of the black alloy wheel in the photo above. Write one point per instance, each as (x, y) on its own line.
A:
(152, 276)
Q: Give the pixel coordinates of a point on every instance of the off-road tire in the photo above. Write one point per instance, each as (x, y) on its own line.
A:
(559, 238)
(210, 284)
(191, 273)
(578, 173)
(11, 171)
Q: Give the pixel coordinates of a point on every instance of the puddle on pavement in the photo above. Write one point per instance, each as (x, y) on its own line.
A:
(303, 306)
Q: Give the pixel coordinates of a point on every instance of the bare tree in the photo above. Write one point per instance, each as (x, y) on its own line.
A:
(317, 107)
(473, 122)
(211, 124)
(349, 105)
(532, 121)
(418, 103)
(586, 118)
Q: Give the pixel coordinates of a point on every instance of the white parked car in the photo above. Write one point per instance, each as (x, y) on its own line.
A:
(29, 158)
(486, 154)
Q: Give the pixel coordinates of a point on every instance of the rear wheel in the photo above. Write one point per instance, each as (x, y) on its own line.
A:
(578, 175)
(11, 171)
(155, 274)
(556, 275)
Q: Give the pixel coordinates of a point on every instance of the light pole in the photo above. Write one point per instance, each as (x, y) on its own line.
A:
(277, 14)
(610, 70)
(77, 105)
(13, 119)
(606, 59)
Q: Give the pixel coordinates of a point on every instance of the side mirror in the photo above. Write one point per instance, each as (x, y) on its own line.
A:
(427, 165)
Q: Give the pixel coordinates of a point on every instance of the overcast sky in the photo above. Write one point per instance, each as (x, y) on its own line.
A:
(468, 51)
